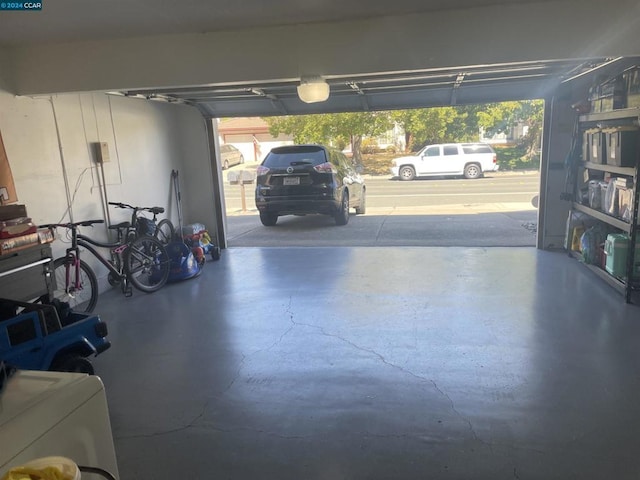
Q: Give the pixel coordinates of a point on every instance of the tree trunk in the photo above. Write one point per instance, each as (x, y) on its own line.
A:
(356, 142)
(408, 141)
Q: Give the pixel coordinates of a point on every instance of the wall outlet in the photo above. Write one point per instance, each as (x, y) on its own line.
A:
(102, 152)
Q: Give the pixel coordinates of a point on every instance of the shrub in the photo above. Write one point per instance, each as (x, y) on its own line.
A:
(515, 158)
(369, 145)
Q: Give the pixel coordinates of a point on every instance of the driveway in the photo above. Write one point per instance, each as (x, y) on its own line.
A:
(495, 211)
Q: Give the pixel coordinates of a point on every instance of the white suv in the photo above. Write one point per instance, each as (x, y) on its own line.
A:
(468, 159)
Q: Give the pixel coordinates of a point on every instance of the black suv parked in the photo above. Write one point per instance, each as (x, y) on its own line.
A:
(303, 179)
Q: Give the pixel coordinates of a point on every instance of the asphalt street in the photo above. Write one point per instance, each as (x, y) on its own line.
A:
(490, 212)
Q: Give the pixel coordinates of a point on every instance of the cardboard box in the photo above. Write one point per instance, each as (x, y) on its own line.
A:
(9, 212)
(14, 244)
(46, 235)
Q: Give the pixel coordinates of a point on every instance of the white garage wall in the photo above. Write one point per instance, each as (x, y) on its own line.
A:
(146, 140)
(5, 72)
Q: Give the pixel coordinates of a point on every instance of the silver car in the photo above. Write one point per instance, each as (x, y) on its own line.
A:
(230, 156)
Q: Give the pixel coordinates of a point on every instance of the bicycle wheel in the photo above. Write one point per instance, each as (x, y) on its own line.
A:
(146, 264)
(165, 231)
(82, 295)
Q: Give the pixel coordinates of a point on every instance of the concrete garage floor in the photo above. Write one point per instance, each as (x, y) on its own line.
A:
(376, 363)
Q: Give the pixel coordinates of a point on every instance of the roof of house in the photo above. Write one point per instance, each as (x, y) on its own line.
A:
(243, 125)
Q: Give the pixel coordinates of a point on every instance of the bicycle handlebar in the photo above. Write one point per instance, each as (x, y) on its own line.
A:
(84, 223)
(154, 210)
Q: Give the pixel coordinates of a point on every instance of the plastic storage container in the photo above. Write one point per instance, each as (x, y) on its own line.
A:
(632, 80)
(622, 146)
(593, 146)
(615, 249)
(595, 194)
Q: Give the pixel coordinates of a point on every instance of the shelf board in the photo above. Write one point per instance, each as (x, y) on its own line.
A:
(628, 171)
(603, 217)
(621, 114)
(612, 281)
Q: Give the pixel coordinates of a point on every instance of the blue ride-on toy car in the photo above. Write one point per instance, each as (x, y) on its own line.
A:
(49, 337)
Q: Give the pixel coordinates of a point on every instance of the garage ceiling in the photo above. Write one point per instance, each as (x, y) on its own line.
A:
(63, 21)
(76, 20)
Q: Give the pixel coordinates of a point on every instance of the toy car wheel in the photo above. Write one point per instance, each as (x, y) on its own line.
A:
(215, 253)
(73, 363)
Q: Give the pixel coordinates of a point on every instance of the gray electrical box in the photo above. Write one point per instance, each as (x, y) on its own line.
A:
(102, 152)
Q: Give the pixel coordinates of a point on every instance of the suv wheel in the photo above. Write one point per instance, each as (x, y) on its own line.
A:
(407, 173)
(342, 216)
(472, 171)
(268, 219)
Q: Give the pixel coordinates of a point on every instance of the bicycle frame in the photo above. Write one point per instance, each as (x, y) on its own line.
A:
(115, 248)
(83, 241)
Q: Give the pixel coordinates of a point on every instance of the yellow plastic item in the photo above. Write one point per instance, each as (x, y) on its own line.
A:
(46, 468)
(575, 238)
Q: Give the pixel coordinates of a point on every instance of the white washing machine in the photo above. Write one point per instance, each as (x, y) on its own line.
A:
(46, 414)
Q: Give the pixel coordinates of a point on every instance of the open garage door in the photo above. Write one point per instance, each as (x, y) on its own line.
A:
(405, 90)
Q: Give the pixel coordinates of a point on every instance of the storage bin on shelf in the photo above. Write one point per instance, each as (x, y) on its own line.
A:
(593, 146)
(621, 145)
(624, 188)
(596, 194)
(632, 80)
(615, 248)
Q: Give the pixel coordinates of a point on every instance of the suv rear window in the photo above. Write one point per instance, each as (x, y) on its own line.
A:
(477, 149)
(285, 156)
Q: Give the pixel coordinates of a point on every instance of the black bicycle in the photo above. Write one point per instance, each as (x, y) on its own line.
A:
(163, 230)
(141, 261)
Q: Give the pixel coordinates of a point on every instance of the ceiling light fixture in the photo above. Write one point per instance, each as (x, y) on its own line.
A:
(313, 89)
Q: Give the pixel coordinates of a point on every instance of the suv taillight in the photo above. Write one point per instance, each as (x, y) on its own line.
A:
(495, 158)
(325, 167)
(261, 170)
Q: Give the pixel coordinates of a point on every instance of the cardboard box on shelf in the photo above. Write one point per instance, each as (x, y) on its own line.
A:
(9, 212)
(14, 244)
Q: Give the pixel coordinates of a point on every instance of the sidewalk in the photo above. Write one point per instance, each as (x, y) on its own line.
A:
(456, 209)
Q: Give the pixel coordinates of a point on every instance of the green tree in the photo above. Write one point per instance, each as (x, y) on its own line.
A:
(436, 125)
(332, 128)
(499, 117)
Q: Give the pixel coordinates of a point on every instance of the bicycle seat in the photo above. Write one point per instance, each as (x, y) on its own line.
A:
(120, 225)
(156, 210)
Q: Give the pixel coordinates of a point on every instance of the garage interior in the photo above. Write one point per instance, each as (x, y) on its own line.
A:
(320, 362)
